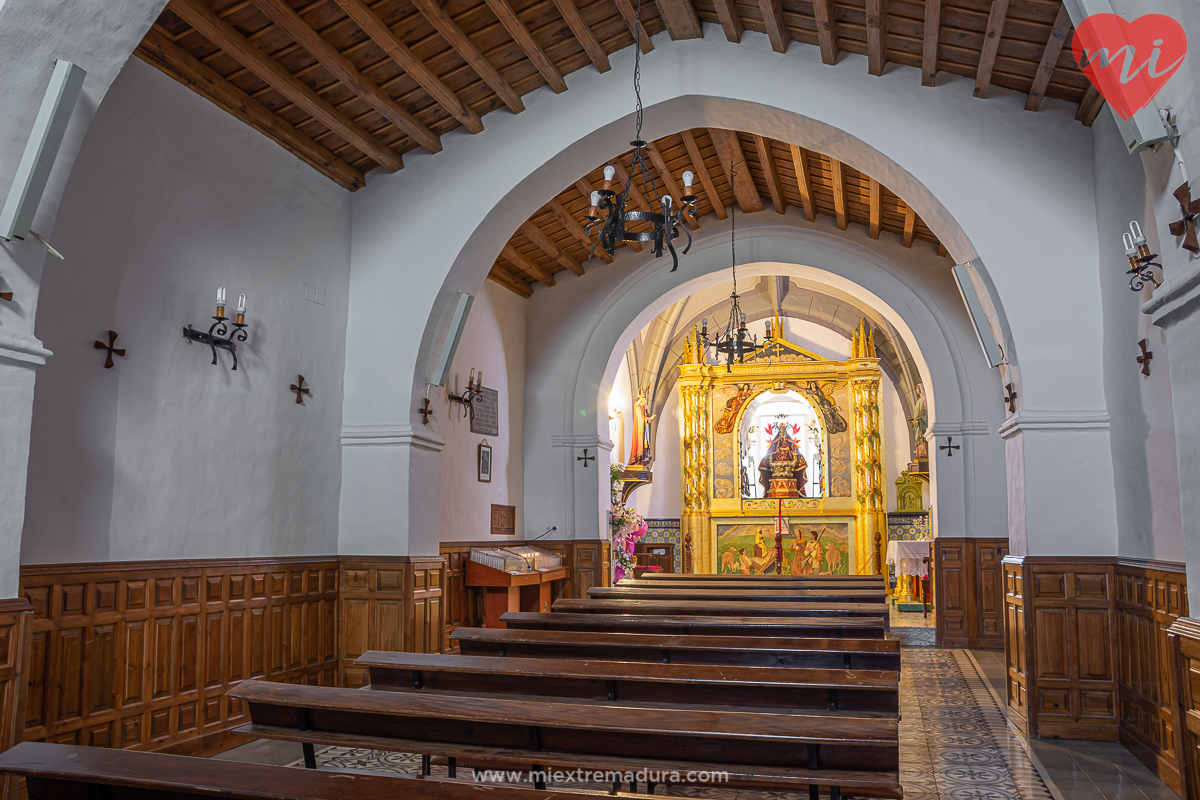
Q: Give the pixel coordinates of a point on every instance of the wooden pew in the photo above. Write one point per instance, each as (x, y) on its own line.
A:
(863, 692)
(71, 772)
(693, 576)
(807, 595)
(743, 651)
(722, 608)
(860, 582)
(795, 627)
(858, 755)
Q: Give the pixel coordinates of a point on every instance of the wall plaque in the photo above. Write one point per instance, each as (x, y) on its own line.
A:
(486, 417)
(504, 520)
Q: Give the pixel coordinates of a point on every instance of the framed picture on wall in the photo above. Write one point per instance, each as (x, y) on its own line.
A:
(485, 462)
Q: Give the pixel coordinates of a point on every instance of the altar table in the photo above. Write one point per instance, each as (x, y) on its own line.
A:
(908, 557)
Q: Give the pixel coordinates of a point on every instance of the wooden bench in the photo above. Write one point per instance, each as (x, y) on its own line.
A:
(71, 772)
(742, 651)
(807, 595)
(692, 576)
(723, 608)
(779, 688)
(794, 627)
(789, 751)
(863, 582)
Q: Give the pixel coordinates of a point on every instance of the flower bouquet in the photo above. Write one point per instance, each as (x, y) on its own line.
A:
(627, 526)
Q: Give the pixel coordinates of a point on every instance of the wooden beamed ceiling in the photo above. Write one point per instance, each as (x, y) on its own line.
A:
(552, 244)
(351, 85)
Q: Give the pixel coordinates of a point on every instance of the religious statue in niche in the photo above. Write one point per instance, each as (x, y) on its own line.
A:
(782, 471)
(920, 424)
(639, 452)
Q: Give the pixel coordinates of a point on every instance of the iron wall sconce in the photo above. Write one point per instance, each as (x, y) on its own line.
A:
(467, 398)
(218, 335)
(1140, 259)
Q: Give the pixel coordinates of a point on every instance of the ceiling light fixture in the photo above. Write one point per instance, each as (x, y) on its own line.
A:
(664, 223)
(735, 343)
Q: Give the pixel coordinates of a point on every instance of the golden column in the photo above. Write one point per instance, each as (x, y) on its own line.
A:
(870, 528)
(693, 475)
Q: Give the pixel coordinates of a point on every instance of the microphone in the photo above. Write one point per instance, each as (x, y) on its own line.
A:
(547, 533)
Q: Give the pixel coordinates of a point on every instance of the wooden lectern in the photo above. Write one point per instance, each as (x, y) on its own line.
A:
(513, 591)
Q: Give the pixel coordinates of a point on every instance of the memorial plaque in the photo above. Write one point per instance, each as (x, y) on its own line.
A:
(504, 520)
(486, 419)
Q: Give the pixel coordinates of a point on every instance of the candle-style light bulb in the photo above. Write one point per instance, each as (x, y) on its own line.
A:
(667, 202)
(241, 309)
(594, 211)
(1130, 250)
(221, 303)
(688, 177)
(743, 320)
(1136, 230)
(704, 327)
(471, 380)
(610, 172)
(479, 380)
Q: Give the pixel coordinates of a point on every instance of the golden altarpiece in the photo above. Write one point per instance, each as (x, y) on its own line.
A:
(834, 518)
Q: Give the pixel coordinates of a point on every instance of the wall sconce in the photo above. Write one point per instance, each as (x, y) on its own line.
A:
(467, 398)
(218, 336)
(1140, 258)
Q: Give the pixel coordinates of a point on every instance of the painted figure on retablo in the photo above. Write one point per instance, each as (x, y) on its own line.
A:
(782, 470)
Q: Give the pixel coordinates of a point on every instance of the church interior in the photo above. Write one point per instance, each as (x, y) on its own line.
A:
(516, 399)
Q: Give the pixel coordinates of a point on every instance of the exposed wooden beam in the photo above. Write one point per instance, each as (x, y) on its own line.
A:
(586, 190)
(800, 165)
(506, 279)
(159, 51)
(942, 251)
(876, 207)
(910, 225)
(669, 181)
(1054, 46)
(777, 27)
(991, 45)
(733, 161)
(929, 50)
(767, 159)
(680, 18)
(226, 37)
(463, 45)
(731, 21)
(535, 235)
(1090, 105)
(839, 192)
(583, 33)
(876, 36)
(710, 189)
(526, 265)
(373, 26)
(636, 28)
(533, 51)
(826, 32)
(576, 230)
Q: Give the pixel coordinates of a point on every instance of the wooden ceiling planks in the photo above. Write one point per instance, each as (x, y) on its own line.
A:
(553, 240)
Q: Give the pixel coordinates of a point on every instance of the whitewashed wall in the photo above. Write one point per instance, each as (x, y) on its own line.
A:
(165, 456)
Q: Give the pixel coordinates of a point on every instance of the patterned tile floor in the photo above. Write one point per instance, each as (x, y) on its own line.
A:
(954, 745)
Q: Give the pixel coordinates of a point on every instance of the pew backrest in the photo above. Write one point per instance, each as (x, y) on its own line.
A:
(797, 627)
(722, 608)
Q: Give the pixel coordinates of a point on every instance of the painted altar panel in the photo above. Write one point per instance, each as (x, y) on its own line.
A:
(811, 546)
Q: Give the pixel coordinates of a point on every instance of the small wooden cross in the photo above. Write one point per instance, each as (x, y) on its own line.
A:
(112, 338)
(1145, 358)
(585, 458)
(1186, 227)
(300, 390)
(949, 447)
(1010, 398)
(425, 411)
(6, 296)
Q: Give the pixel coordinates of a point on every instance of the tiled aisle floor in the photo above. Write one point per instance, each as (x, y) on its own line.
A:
(954, 745)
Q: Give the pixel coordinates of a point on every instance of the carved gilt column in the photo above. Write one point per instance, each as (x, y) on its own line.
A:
(870, 529)
(694, 508)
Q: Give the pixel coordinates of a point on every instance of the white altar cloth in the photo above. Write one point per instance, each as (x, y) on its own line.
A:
(906, 557)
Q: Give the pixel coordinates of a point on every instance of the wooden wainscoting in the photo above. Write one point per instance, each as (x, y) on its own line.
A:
(969, 592)
(1150, 597)
(1184, 641)
(1061, 647)
(389, 603)
(139, 655)
(15, 617)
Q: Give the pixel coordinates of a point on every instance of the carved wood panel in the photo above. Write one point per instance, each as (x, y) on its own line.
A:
(1150, 597)
(15, 618)
(139, 655)
(1184, 659)
(969, 592)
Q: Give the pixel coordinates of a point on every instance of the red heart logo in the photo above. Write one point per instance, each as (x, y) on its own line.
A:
(1129, 62)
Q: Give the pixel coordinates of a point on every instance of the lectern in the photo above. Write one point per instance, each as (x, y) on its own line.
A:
(527, 590)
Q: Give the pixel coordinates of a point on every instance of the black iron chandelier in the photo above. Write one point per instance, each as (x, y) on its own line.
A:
(1140, 258)
(736, 343)
(665, 223)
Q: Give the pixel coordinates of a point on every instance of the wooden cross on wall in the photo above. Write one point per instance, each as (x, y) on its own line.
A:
(1186, 227)
(112, 338)
(585, 458)
(300, 390)
(949, 447)
(425, 411)
(1145, 358)
(6, 296)
(1010, 398)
